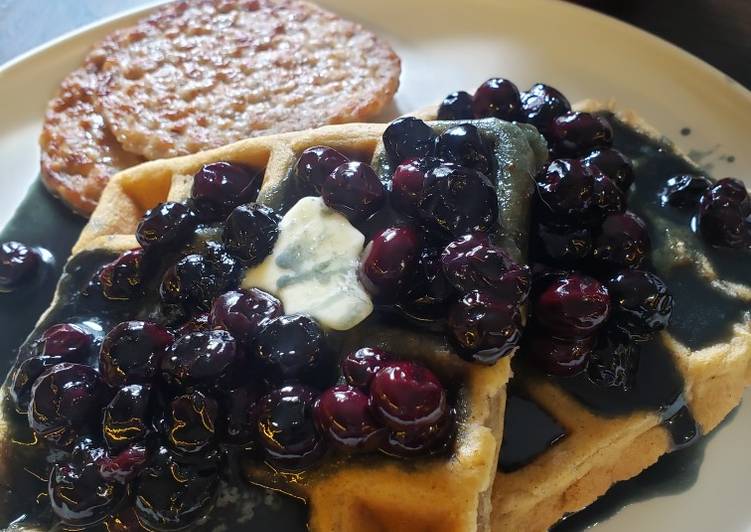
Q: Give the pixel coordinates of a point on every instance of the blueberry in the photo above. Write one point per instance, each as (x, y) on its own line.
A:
(563, 246)
(132, 351)
(427, 296)
(124, 466)
(359, 366)
(684, 190)
(354, 190)
(316, 163)
(484, 327)
(572, 306)
(457, 201)
(290, 347)
(287, 432)
(250, 232)
(199, 322)
(18, 264)
(24, 375)
(190, 423)
(499, 98)
(200, 359)
(608, 198)
(127, 418)
(238, 408)
(463, 145)
(456, 106)
(542, 104)
(429, 440)
(613, 363)
(623, 241)
(70, 342)
(642, 304)
(389, 261)
(407, 184)
(725, 215)
(80, 496)
(345, 418)
(167, 224)
(733, 189)
(557, 356)
(407, 138)
(219, 187)
(565, 190)
(575, 134)
(613, 164)
(122, 279)
(244, 312)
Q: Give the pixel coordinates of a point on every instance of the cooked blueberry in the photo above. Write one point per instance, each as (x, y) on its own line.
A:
(354, 190)
(566, 189)
(171, 495)
(66, 403)
(167, 224)
(244, 312)
(575, 134)
(457, 201)
(733, 189)
(484, 327)
(472, 262)
(725, 215)
(456, 106)
(219, 187)
(407, 138)
(251, 231)
(407, 184)
(542, 104)
(24, 375)
(463, 145)
(563, 245)
(80, 496)
(132, 351)
(316, 163)
(360, 366)
(345, 418)
(613, 164)
(124, 466)
(429, 293)
(572, 306)
(238, 408)
(123, 519)
(199, 322)
(70, 342)
(497, 97)
(407, 396)
(623, 241)
(122, 278)
(429, 440)
(200, 358)
(608, 199)
(290, 347)
(684, 190)
(613, 362)
(126, 418)
(557, 356)
(389, 261)
(190, 422)
(642, 304)
(18, 263)
(287, 431)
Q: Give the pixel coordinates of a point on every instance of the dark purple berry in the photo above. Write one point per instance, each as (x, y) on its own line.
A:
(126, 418)
(354, 190)
(562, 245)
(429, 440)
(345, 418)
(457, 201)
(499, 98)
(287, 431)
(132, 351)
(575, 134)
(463, 145)
(24, 375)
(641, 302)
(18, 263)
(542, 104)
(80, 496)
(316, 163)
(124, 466)
(407, 138)
(239, 410)
(360, 366)
(290, 347)
(484, 327)
(70, 342)
(407, 396)
(456, 106)
(725, 215)
(613, 164)
(122, 278)
(389, 261)
(199, 322)
(684, 190)
(566, 189)
(200, 359)
(244, 312)
(733, 189)
(623, 241)
(219, 187)
(190, 422)
(250, 232)
(167, 224)
(557, 356)
(66, 403)
(608, 198)
(407, 184)
(429, 292)
(572, 306)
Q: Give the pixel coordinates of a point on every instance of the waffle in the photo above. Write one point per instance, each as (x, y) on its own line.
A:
(449, 493)
(599, 451)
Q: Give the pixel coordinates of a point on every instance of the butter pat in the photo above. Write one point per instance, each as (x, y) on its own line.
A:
(313, 267)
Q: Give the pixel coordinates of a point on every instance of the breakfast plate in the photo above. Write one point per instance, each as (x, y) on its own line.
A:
(706, 113)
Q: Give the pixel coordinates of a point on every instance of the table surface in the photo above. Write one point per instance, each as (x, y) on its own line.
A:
(717, 31)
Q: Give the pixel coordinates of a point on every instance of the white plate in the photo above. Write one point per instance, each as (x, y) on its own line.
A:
(446, 46)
